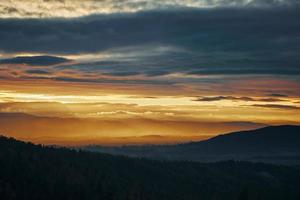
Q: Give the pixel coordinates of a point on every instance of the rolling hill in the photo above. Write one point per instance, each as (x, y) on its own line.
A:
(273, 144)
(36, 172)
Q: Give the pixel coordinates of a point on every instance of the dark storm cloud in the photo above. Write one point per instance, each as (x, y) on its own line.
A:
(193, 29)
(35, 60)
(231, 41)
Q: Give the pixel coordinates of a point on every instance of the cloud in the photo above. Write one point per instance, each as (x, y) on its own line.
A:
(37, 71)
(230, 71)
(244, 51)
(278, 95)
(78, 8)
(99, 80)
(35, 60)
(188, 41)
(128, 73)
(219, 98)
(277, 106)
(219, 51)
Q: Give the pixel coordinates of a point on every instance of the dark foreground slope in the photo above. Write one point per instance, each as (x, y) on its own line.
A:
(34, 172)
(274, 144)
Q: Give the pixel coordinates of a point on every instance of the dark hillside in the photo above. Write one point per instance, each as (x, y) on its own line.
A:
(32, 172)
(274, 144)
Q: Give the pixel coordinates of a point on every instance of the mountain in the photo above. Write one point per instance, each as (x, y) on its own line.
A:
(47, 129)
(37, 172)
(273, 144)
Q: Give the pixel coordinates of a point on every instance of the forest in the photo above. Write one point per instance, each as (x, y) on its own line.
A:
(37, 172)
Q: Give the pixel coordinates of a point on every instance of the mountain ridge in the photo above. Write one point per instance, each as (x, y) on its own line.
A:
(275, 144)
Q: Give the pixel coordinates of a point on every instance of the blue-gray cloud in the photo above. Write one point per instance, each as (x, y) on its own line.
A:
(97, 80)
(221, 41)
(37, 71)
(34, 60)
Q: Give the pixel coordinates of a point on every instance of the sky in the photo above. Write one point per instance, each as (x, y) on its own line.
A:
(118, 72)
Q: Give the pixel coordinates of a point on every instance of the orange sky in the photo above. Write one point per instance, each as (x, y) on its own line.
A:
(137, 72)
(70, 114)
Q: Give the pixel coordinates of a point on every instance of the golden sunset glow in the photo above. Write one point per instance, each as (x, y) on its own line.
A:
(106, 115)
(135, 72)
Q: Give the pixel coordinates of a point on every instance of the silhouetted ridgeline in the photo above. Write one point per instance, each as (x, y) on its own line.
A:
(34, 172)
(274, 144)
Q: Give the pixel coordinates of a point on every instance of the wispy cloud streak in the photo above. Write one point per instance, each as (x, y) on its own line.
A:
(78, 8)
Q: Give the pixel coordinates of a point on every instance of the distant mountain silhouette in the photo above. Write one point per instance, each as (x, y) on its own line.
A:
(37, 172)
(49, 129)
(275, 144)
